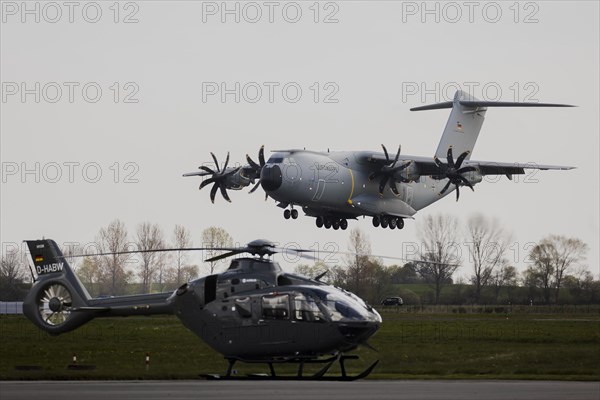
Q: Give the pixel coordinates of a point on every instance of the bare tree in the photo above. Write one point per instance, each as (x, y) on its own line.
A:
(552, 257)
(90, 274)
(113, 239)
(505, 275)
(149, 237)
(487, 242)
(358, 264)
(215, 237)
(12, 273)
(181, 239)
(438, 235)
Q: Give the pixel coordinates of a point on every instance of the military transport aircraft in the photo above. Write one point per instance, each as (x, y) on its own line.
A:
(253, 312)
(340, 185)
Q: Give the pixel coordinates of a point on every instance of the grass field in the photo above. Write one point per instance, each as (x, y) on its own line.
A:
(411, 345)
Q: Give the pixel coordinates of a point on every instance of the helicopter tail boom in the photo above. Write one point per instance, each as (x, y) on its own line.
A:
(58, 302)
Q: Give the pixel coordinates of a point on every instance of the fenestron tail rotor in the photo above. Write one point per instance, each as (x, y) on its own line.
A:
(453, 171)
(54, 304)
(388, 171)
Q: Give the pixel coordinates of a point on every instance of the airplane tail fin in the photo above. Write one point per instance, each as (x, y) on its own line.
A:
(466, 119)
(57, 292)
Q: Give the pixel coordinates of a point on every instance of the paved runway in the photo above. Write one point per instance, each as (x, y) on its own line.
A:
(260, 390)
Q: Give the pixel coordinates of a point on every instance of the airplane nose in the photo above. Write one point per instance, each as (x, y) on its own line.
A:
(270, 177)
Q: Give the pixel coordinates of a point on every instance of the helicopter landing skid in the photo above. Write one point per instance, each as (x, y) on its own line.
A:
(319, 376)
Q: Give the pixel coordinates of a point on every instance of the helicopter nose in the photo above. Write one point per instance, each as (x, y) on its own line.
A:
(358, 332)
(270, 177)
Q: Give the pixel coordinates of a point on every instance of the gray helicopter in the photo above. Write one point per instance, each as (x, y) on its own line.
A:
(336, 186)
(253, 312)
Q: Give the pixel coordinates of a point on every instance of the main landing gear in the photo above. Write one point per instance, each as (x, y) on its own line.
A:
(293, 213)
(330, 222)
(386, 221)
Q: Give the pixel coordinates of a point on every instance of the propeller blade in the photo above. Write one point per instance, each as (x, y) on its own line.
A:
(438, 163)
(205, 168)
(387, 157)
(261, 155)
(466, 169)
(394, 188)
(401, 167)
(224, 193)
(446, 187)
(382, 184)
(213, 192)
(216, 162)
(254, 188)
(457, 192)
(206, 182)
(254, 165)
(466, 182)
(449, 157)
(461, 158)
(233, 171)
(226, 162)
(397, 156)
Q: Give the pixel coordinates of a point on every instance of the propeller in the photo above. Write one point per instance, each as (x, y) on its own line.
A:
(257, 168)
(218, 177)
(54, 304)
(453, 172)
(387, 172)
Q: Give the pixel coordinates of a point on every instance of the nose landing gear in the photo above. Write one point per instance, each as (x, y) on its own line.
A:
(293, 213)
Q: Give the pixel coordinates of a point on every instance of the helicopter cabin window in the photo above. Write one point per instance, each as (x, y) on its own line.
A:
(276, 306)
(306, 309)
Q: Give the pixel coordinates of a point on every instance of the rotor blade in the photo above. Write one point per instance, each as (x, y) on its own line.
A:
(224, 255)
(226, 162)
(206, 182)
(224, 193)
(254, 165)
(261, 155)
(213, 192)
(457, 192)
(152, 251)
(461, 158)
(446, 187)
(205, 168)
(216, 162)
(382, 184)
(387, 157)
(255, 187)
(449, 157)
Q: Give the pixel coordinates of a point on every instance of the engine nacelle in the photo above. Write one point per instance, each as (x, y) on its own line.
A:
(411, 172)
(242, 178)
(473, 176)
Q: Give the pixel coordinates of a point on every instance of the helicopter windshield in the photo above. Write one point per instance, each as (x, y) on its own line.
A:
(343, 306)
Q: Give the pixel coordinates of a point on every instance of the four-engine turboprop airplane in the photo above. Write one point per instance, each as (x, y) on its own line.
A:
(336, 186)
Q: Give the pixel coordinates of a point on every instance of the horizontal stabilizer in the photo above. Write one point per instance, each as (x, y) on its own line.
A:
(479, 103)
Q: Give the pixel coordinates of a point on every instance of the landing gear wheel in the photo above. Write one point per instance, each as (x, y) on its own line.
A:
(294, 214)
(384, 222)
(319, 222)
(327, 223)
(376, 222)
(400, 223)
(393, 222)
(335, 224)
(343, 224)
(287, 214)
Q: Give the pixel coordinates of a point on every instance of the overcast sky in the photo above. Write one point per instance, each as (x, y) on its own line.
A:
(134, 92)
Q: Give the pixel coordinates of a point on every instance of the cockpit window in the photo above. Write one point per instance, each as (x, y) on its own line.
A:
(275, 160)
(341, 305)
(276, 307)
(306, 309)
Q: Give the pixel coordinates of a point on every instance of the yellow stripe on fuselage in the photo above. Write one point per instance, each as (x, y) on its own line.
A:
(352, 188)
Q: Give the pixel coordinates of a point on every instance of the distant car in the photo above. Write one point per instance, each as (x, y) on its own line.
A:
(392, 301)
